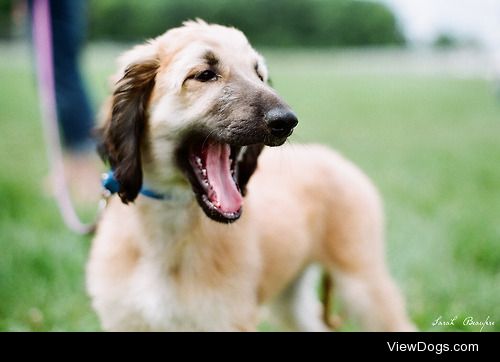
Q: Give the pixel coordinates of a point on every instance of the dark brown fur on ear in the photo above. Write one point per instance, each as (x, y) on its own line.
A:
(248, 165)
(122, 135)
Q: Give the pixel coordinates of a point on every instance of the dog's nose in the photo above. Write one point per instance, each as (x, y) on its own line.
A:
(281, 121)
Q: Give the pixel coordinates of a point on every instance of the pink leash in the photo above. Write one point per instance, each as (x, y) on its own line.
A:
(42, 38)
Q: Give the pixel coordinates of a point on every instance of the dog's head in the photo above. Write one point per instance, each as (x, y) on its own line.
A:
(196, 98)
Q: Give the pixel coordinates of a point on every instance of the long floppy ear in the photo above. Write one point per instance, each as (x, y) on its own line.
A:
(122, 134)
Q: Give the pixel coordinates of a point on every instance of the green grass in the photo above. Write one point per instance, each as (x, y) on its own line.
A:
(430, 143)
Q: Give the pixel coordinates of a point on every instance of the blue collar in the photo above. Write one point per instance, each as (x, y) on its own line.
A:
(110, 183)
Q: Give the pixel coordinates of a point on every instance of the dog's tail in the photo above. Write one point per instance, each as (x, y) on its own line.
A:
(331, 320)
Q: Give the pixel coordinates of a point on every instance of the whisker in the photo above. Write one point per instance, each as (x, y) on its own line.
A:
(208, 136)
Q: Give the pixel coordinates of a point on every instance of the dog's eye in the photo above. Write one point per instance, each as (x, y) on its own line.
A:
(206, 76)
(256, 68)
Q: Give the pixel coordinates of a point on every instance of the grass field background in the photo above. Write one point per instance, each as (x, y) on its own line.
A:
(429, 138)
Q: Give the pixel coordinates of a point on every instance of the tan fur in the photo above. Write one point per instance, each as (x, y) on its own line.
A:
(164, 265)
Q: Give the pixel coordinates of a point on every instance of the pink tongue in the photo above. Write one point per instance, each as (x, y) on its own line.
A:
(219, 177)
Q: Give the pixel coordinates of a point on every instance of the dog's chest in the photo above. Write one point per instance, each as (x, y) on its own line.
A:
(166, 301)
(180, 280)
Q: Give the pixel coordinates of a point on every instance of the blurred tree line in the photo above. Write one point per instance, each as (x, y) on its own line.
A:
(5, 18)
(284, 23)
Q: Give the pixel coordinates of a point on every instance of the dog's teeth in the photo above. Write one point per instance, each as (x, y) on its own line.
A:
(198, 162)
(241, 153)
(204, 172)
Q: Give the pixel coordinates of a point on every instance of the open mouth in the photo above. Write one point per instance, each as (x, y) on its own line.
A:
(214, 165)
(220, 167)
(213, 169)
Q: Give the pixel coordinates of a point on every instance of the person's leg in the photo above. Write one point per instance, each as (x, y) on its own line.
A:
(73, 106)
(74, 112)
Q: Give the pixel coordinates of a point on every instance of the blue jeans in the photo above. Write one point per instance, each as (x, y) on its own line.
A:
(74, 111)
